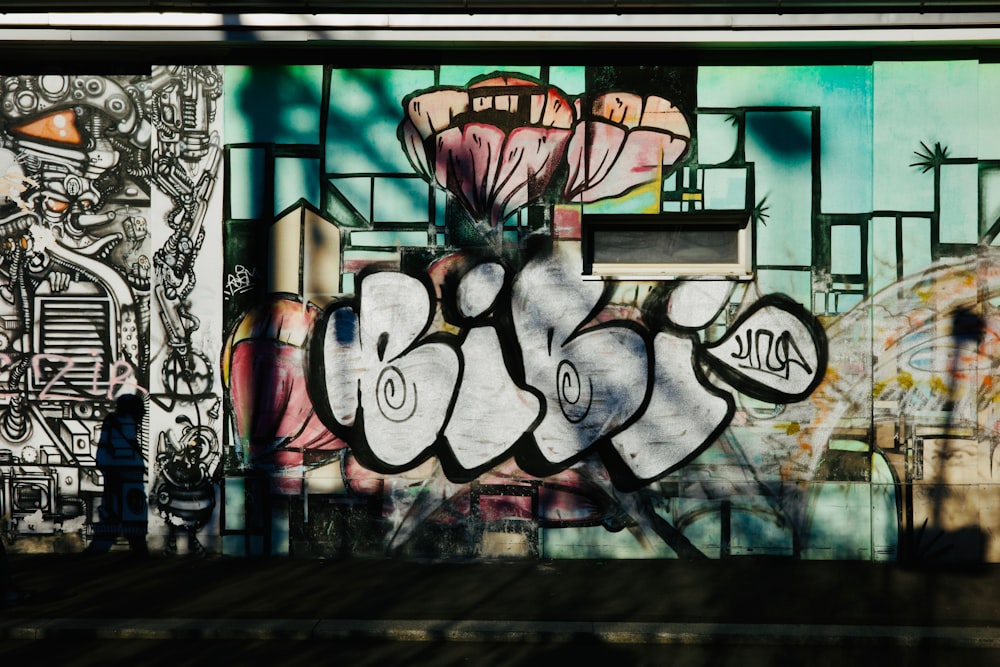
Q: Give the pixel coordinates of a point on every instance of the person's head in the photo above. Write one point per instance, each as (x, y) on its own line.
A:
(130, 405)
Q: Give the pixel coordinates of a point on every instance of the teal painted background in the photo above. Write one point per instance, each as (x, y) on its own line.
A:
(873, 207)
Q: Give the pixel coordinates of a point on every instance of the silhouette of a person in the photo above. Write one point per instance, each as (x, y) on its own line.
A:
(9, 593)
(121, 460)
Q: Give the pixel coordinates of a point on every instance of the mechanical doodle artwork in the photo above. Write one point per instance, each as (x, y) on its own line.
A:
(184, 168)
(82, 156)
(187, 474)
(75, 290)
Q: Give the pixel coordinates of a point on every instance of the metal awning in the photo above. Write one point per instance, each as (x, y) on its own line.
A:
(101, 32)
(520, 6)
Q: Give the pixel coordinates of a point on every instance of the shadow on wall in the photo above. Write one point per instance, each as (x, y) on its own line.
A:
(934, 542)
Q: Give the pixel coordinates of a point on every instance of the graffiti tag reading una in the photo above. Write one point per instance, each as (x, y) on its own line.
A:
(775, 354)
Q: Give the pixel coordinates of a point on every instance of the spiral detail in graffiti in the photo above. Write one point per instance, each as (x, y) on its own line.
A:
(573, 400)
(397, 401)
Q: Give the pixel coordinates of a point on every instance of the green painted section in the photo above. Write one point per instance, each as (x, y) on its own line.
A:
(844, 96)
(280, 104)
(363, 116)
(917, 106)
(295, 179)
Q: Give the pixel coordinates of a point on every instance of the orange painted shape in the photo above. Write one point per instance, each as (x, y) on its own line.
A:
(59, 126)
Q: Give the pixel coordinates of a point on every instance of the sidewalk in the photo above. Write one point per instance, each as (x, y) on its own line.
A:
(737, 601)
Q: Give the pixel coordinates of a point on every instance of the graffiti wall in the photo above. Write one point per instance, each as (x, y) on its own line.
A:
(110, 207)
(492, 311)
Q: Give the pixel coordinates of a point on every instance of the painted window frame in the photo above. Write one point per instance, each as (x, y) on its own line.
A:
(734, 221)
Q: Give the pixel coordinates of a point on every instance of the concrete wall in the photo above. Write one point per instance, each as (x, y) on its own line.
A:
(352, 299)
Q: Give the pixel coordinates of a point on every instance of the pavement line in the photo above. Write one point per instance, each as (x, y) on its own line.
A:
(500, 631)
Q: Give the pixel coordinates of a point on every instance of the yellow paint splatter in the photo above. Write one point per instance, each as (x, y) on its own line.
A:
(791, 428)
(905, 380)
(938, 385)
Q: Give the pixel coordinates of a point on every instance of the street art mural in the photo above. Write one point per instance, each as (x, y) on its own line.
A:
(84, 274)
(360, 307)
(185, 169)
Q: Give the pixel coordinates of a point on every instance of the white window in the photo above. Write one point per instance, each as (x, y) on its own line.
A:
(703, 231)
(664, 247)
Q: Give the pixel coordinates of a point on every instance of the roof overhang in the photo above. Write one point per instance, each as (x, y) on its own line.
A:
(132, 38)
(563, 30)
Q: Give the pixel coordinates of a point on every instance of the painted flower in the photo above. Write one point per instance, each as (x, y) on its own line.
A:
(494, 144)
(621, 142)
